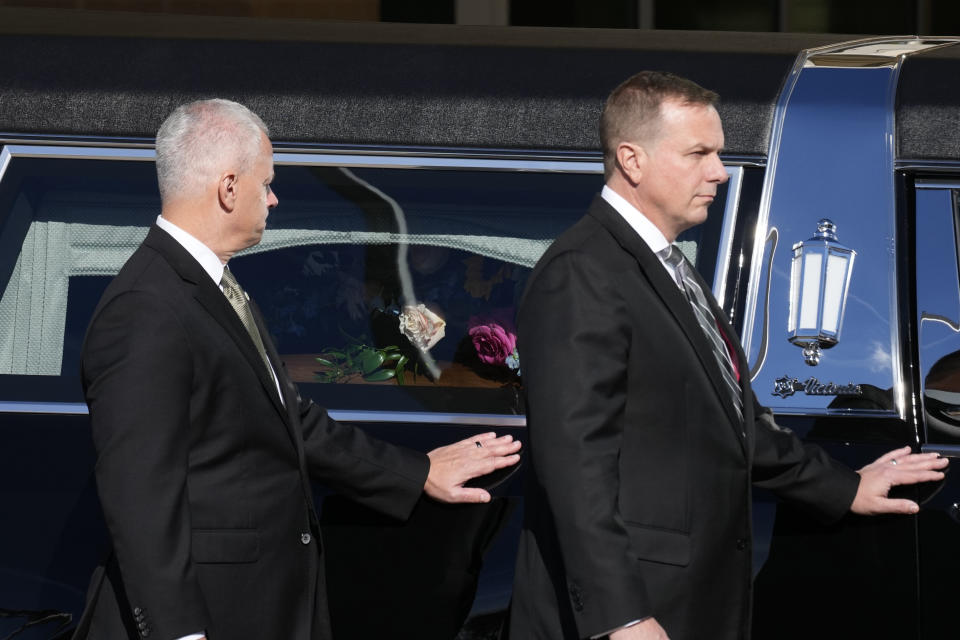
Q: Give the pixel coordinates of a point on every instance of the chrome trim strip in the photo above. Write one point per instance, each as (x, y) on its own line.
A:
(423, 417)
(946, 450)
(7, 137)
(420, 417)
(52, 141)
(58, 408)
(4, 161)
(730, 209)
(926, 165)
(743, 161)
(946, 183)
(322, 159)
(897, 356)
(83, 153)
(766, 194)
(405, 162)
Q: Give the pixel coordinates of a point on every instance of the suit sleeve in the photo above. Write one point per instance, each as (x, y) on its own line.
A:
(138, 372)
(800, 472)
(374, 473)
(379, 475)
(574, 340)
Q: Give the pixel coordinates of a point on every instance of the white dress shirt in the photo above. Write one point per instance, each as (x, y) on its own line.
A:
(647, 231)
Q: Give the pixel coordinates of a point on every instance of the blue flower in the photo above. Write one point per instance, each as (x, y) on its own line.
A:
(513, 361)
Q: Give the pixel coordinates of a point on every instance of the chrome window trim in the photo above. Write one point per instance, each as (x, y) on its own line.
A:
(935, 184)
(421, 417)
(724, 250)
(935, 166)
(5, 157)
(57, 408)
(80, 153)
(284, 158)
(945, 450)
(897, 355)
(763, 210)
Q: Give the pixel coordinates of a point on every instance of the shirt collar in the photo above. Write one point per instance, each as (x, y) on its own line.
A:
(200, 252)
(639, 222)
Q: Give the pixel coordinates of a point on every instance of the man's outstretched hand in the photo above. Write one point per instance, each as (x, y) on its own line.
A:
(892, 469)
(456, 463)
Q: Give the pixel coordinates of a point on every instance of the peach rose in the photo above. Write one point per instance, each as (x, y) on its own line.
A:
(421, 326)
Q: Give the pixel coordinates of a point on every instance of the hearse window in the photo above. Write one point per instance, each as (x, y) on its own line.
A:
(357, 265)
(938, 310)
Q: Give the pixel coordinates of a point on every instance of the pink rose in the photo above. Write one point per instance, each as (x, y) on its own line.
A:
(492, 341)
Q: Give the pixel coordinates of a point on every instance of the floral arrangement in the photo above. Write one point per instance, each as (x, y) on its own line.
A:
(416, 326)
(368, 333)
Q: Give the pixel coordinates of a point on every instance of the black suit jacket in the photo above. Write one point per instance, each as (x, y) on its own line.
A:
(203, 472)
(639, 485)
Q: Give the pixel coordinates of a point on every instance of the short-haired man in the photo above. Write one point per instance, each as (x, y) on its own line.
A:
(638, 499)
(204, 448)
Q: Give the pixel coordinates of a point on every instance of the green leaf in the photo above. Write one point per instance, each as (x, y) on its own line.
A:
(325, 362)
(380, 375)
(369, 361)
(400, 368)
(393, 357)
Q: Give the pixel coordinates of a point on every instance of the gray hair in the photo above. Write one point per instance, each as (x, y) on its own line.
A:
(200, 139)
(632, 111)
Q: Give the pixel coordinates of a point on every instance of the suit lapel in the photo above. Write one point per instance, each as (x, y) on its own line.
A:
(291, 398)
(673, 299)
(208, 294)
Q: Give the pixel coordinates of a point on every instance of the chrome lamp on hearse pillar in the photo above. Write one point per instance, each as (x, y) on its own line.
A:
(819, 281)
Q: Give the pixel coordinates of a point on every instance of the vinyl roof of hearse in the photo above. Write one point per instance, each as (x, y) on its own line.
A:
(74, 74)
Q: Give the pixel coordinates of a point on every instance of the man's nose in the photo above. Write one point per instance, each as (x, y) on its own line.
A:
(718, 172)
(272, 200)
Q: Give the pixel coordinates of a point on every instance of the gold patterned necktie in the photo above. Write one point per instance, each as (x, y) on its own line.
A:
(238, 300)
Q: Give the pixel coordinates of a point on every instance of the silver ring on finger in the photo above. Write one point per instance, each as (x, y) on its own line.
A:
(893, 462)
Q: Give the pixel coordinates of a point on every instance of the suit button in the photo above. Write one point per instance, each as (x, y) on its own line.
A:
(137, 611)
(305, 538)
(145, 633)
(742, 544)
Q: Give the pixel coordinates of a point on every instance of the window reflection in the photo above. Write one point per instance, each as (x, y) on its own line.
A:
(401, 286)
(337, 267)
(938, 307)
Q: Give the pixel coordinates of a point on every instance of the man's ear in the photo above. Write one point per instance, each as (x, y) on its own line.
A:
(632, 161)
(227, 191)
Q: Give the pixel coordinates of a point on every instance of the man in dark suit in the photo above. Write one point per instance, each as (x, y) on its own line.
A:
(204, 448)
(644, 444)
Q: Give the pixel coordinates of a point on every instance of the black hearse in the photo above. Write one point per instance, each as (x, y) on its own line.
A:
(445, 159)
